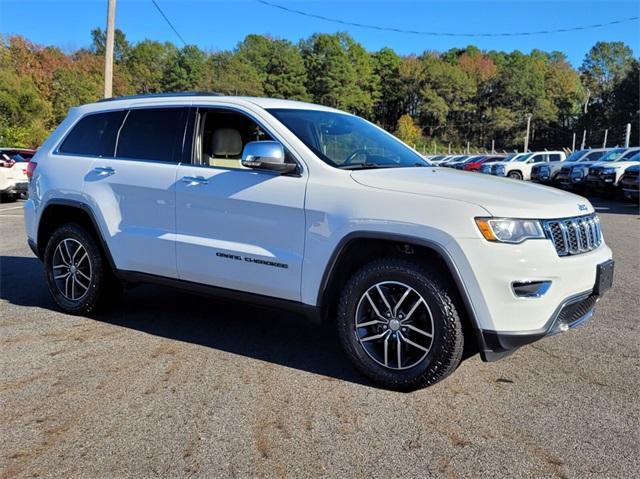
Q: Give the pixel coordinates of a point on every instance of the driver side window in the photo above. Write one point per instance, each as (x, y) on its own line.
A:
(221, 137)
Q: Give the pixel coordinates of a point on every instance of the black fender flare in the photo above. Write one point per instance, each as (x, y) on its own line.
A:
(89, 212)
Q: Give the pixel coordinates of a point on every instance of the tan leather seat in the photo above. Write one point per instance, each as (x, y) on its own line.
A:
(226, 148)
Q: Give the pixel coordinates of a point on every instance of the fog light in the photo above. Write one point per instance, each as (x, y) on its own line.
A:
(530, 289)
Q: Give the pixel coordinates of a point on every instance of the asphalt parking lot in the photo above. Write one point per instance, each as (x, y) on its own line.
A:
(173, 385)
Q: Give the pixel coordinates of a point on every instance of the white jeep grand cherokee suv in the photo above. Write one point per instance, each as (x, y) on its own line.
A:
(520, 168)
(312, 209)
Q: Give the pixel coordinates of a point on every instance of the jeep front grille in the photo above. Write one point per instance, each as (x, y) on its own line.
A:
(574, 235)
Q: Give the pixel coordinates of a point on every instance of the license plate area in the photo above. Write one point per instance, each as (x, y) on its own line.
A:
(604, 277)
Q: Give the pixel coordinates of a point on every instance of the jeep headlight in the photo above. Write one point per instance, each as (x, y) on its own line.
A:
(576, 173)
(506, 230)
(608, 171)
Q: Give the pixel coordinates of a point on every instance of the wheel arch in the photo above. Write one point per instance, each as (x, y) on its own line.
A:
(60, 211)
(358, 247)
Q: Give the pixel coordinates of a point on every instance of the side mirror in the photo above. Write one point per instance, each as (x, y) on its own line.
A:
(266, 155)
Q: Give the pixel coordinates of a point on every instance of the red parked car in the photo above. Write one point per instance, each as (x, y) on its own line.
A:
(475, 165)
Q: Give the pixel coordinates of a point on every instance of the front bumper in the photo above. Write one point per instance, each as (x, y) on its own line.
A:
(570, 314)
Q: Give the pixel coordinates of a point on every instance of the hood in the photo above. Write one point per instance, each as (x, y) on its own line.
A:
(582, 164)
(616, 164)
(501, 197)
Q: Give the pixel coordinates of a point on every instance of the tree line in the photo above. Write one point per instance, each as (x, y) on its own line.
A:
(454, 98)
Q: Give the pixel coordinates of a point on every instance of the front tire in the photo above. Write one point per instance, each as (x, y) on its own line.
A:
(399, 325)
(515, 175)
(78, 278)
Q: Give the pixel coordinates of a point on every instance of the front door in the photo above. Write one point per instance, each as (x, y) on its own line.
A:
(238, 228)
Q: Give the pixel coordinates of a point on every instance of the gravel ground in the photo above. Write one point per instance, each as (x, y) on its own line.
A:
(174, 385)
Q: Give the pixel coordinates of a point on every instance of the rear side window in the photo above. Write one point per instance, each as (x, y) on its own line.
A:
(554, 157)
(154, 134)
(94, 135)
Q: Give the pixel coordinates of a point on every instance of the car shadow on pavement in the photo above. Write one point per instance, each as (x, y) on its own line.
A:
(274, 336)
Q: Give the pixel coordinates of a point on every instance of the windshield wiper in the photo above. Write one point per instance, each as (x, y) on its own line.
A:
(362, 166)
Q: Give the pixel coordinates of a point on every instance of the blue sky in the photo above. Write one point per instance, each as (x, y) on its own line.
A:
(220, 25)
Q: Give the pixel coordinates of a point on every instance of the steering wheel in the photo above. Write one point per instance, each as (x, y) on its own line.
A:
(353, 156)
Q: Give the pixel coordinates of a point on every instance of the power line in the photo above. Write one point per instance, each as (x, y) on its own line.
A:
(444, 34)
(169, 22)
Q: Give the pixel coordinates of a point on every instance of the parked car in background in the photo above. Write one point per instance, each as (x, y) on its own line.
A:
(460, 164)
(604, 178)
(520, 169)
(578, 173)
(456, 161)
(25, 153)
(630, 183)
(550, 173)
(476, 164)
(435, 159)
(488, 166)
(13, 172)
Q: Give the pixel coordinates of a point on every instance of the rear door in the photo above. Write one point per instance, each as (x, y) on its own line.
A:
(135, 190)
(238, 228)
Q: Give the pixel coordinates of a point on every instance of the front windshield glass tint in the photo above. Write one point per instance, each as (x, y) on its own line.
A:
(347, 141)
(593, 156)
(524, 157)
(629, 155)
(613, 155)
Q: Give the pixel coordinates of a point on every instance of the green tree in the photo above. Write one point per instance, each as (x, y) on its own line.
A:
(603, 68)
(147, 64)
(24, 115)
(333, 63)
(388, 107)
(230, 74)
(186, 70)
(120, 43)
(279, 64)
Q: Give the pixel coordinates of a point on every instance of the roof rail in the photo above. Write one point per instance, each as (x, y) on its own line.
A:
(162, 95)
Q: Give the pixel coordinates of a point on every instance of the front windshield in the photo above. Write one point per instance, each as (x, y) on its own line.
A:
(613, 155)
(576, 155)
(629, 155)
(524, 157)
(346, 141)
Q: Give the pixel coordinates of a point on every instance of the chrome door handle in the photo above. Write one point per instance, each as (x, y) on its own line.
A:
(195, 180)
(104, 170)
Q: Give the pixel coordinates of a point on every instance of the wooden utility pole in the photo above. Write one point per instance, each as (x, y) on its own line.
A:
(627, 136)
(526, 138)
(108, 50)
(604, 142)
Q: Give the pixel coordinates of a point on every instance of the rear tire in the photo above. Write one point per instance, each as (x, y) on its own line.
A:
(404, 306)
(78, 277)
(515, 175)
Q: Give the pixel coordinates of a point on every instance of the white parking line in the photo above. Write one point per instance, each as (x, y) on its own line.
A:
(12, 208)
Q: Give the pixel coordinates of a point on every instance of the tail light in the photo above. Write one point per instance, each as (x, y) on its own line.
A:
(31, 167)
